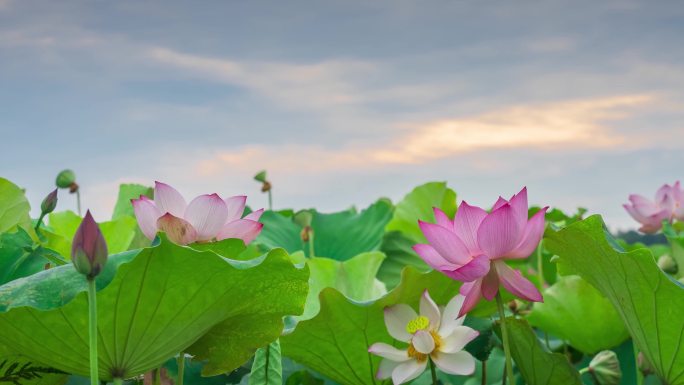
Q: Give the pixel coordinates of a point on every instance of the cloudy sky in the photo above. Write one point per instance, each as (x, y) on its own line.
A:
(345, 101)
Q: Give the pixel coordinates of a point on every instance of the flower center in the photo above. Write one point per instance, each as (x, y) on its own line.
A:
(418, 323)
(421, 357)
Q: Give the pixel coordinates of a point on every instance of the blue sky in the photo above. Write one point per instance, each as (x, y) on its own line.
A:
(345, 101)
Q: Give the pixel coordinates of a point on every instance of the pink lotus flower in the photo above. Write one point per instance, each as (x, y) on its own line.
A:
(668, 205)
(473, 247)
(204, 219)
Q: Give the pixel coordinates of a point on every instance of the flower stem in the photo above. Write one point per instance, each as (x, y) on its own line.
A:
(639, 375)
(92, 322)
(181, 368)
(311, 244)
(434, 374)
(78, 201)
(484, 372)
(270, 200)
(504, 335)
(40, 222)
(540, 265)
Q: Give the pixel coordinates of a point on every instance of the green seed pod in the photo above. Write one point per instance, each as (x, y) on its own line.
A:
(65, 179)
(303, 218)
(667, 264)
(605, 368)
(260, 176)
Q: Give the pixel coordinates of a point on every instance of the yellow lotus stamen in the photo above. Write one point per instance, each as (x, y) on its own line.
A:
(416, 355)
(418, 323)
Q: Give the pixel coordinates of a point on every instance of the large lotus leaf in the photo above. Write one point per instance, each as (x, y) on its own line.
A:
(152, 304)
(537, 366)
(399, 251)
(354, 278)
(14, 208)
(17, 369)
(571, 302)
(335, 342)
(649, 302)
(127, 192)
(417, 205)
(341, 235)
(21, 257)
(345, 234)
(118, 233)
(280, 231)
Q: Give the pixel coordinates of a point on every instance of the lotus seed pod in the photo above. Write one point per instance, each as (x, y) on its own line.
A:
(667, 264)
(605, 368)
(49, 203)
(303, 218)
(260, 176)
(65, 179)
(266, 187)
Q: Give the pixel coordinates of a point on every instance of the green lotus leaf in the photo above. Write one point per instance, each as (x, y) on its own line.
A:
(354, 278)
(127, 192)
(267, 368)
(118, 233)
(153, 303)
(21, 257)
(650, 303)
(571, 302)
(341, 235)
(335, 342)
(417, 205)
(14, 208)
(537, 366)
(399, 251)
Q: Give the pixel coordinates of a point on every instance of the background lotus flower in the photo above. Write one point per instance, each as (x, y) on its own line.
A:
(668, 205)
(205, 218)
(472, 248)
(437, 335)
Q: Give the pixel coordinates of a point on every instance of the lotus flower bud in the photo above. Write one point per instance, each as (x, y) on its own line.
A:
(49, 203)
(89, 249)
(65, 179)
(260, 176)
(605, 368)
(667, 264)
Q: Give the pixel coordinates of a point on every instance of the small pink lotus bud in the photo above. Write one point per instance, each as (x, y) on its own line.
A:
(49, 203)
(89, 249)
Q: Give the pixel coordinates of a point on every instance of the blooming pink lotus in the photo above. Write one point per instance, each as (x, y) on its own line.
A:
(474, 246)
(204, 219)
(668, 205)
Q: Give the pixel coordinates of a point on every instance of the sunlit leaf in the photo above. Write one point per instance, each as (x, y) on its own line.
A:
(650, 303)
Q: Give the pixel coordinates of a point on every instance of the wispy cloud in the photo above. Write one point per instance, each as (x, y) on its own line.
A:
(322, 84)
(562, 125)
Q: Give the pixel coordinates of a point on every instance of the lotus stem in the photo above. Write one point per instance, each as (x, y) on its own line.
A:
(639, 374)
(540, 265)
(78, 201)
(484, 372)
(270, 200)
(181, 368)
(40, 222)
(92, 323)
(311, 244)
(504, 337)
(432, 370)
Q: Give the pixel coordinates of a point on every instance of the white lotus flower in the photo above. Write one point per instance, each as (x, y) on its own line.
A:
(436, 333)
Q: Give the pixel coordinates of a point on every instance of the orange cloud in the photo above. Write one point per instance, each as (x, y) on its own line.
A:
(570, 124)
